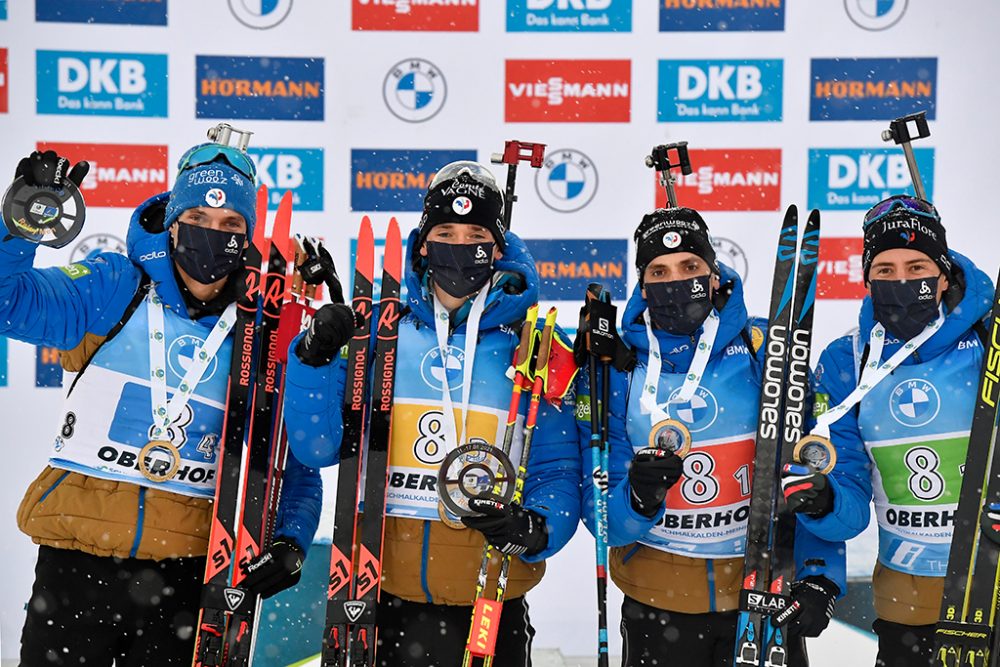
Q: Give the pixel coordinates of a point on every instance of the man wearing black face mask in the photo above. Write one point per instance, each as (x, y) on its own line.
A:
(904, 442)
(677, 523)
(469, 285)
(121, 554)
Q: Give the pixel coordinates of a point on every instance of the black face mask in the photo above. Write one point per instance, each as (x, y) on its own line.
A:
(460, 269)
(679, 306)
(905, 307)
(208, 255)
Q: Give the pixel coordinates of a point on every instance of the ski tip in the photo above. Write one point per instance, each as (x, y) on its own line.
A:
(791, 213)
(260, 226)
(393, 246)
(280, 236)
(814, 217)
(365, 261)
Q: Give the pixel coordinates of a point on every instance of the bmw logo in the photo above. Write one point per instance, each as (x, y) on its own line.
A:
(260, 14)
(567, 180)
(914, 403)
(96, 243)
(875, 14)
(414, 90)
(181, 355)
(732, 256)
(434, 371)
(698, 414)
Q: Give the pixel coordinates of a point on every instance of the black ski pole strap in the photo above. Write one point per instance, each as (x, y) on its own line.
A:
(137, 298)
(981, 332)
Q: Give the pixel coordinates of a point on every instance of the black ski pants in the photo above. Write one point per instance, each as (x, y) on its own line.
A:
(414, 634)
(654, 637)
(903, 645)
(92, 610)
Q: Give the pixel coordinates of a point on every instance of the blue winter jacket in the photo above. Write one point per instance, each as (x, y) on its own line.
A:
(73, 308)
(314, 399)
(625, 525)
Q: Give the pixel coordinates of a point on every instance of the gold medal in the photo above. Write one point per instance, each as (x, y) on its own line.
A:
(671, 435)
(162, 446)
(449, 520)
(816, 451)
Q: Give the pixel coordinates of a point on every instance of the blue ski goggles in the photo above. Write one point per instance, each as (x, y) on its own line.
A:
(212, 152)
(913, 204)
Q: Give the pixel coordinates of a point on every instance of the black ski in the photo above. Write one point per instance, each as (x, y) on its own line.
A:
(769, 563)
(965, 636)
(341, 584)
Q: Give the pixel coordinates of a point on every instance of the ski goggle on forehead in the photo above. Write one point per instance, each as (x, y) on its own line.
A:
(209, 153)
(913, 204)
(472, 170)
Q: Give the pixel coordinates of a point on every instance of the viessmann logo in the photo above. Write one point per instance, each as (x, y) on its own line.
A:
(421, 15)
(266, 88)
(568, 91)
(872, 88)
(840, 274)
(121, 175)
(730, 179)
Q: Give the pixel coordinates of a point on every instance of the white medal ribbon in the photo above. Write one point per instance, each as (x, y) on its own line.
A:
(164, 411)
(875, 371)
(699, 362)
(441, 325)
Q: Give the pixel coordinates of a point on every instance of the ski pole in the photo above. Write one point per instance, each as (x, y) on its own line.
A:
(514, 152)
(522, 373)
(537, 388)
(899, 133)
(659, 159)
(599, 466)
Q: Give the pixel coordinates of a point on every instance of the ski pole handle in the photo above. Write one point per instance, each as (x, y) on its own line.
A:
(515, 152)
(899, 133)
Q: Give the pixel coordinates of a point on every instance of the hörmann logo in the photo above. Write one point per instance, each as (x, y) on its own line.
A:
(122, 175)
(567, 266)
(297, 169)
(120, 12)
(721, 15)
(266, 88)
(872, 88)
(729, 179)
(396, 180)
(105, 84)
(568, 91)
(420, 15)
(720, 90)
(855, 179)
(569, 15)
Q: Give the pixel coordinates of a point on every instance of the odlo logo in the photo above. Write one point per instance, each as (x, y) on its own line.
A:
(925, 291)
(233, 247)
(481, 256)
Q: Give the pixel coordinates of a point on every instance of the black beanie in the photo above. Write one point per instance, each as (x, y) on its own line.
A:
(464, 192)
(902, 228)
(669, 230)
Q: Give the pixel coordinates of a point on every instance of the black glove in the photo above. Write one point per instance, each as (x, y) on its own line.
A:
(319, 268)
(806, 490)
(50, 170)
(813, 600)
(624, 356)
(278, 568)
(651, 475)
(331, 328)
(510, 528)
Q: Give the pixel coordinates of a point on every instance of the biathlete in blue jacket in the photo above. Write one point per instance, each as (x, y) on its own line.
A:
(677, 526)
(459, 331)
(122, 546)
(919, 348)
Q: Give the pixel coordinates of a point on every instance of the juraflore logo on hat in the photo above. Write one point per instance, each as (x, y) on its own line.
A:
(671, 230)
(216, 185)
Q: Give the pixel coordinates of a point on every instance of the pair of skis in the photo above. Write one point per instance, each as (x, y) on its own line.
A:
(350, 634)
(250, 465)
(965, 636)
(769, 565)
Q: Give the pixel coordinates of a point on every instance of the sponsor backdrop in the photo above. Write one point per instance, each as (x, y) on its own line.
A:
(356, 103)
